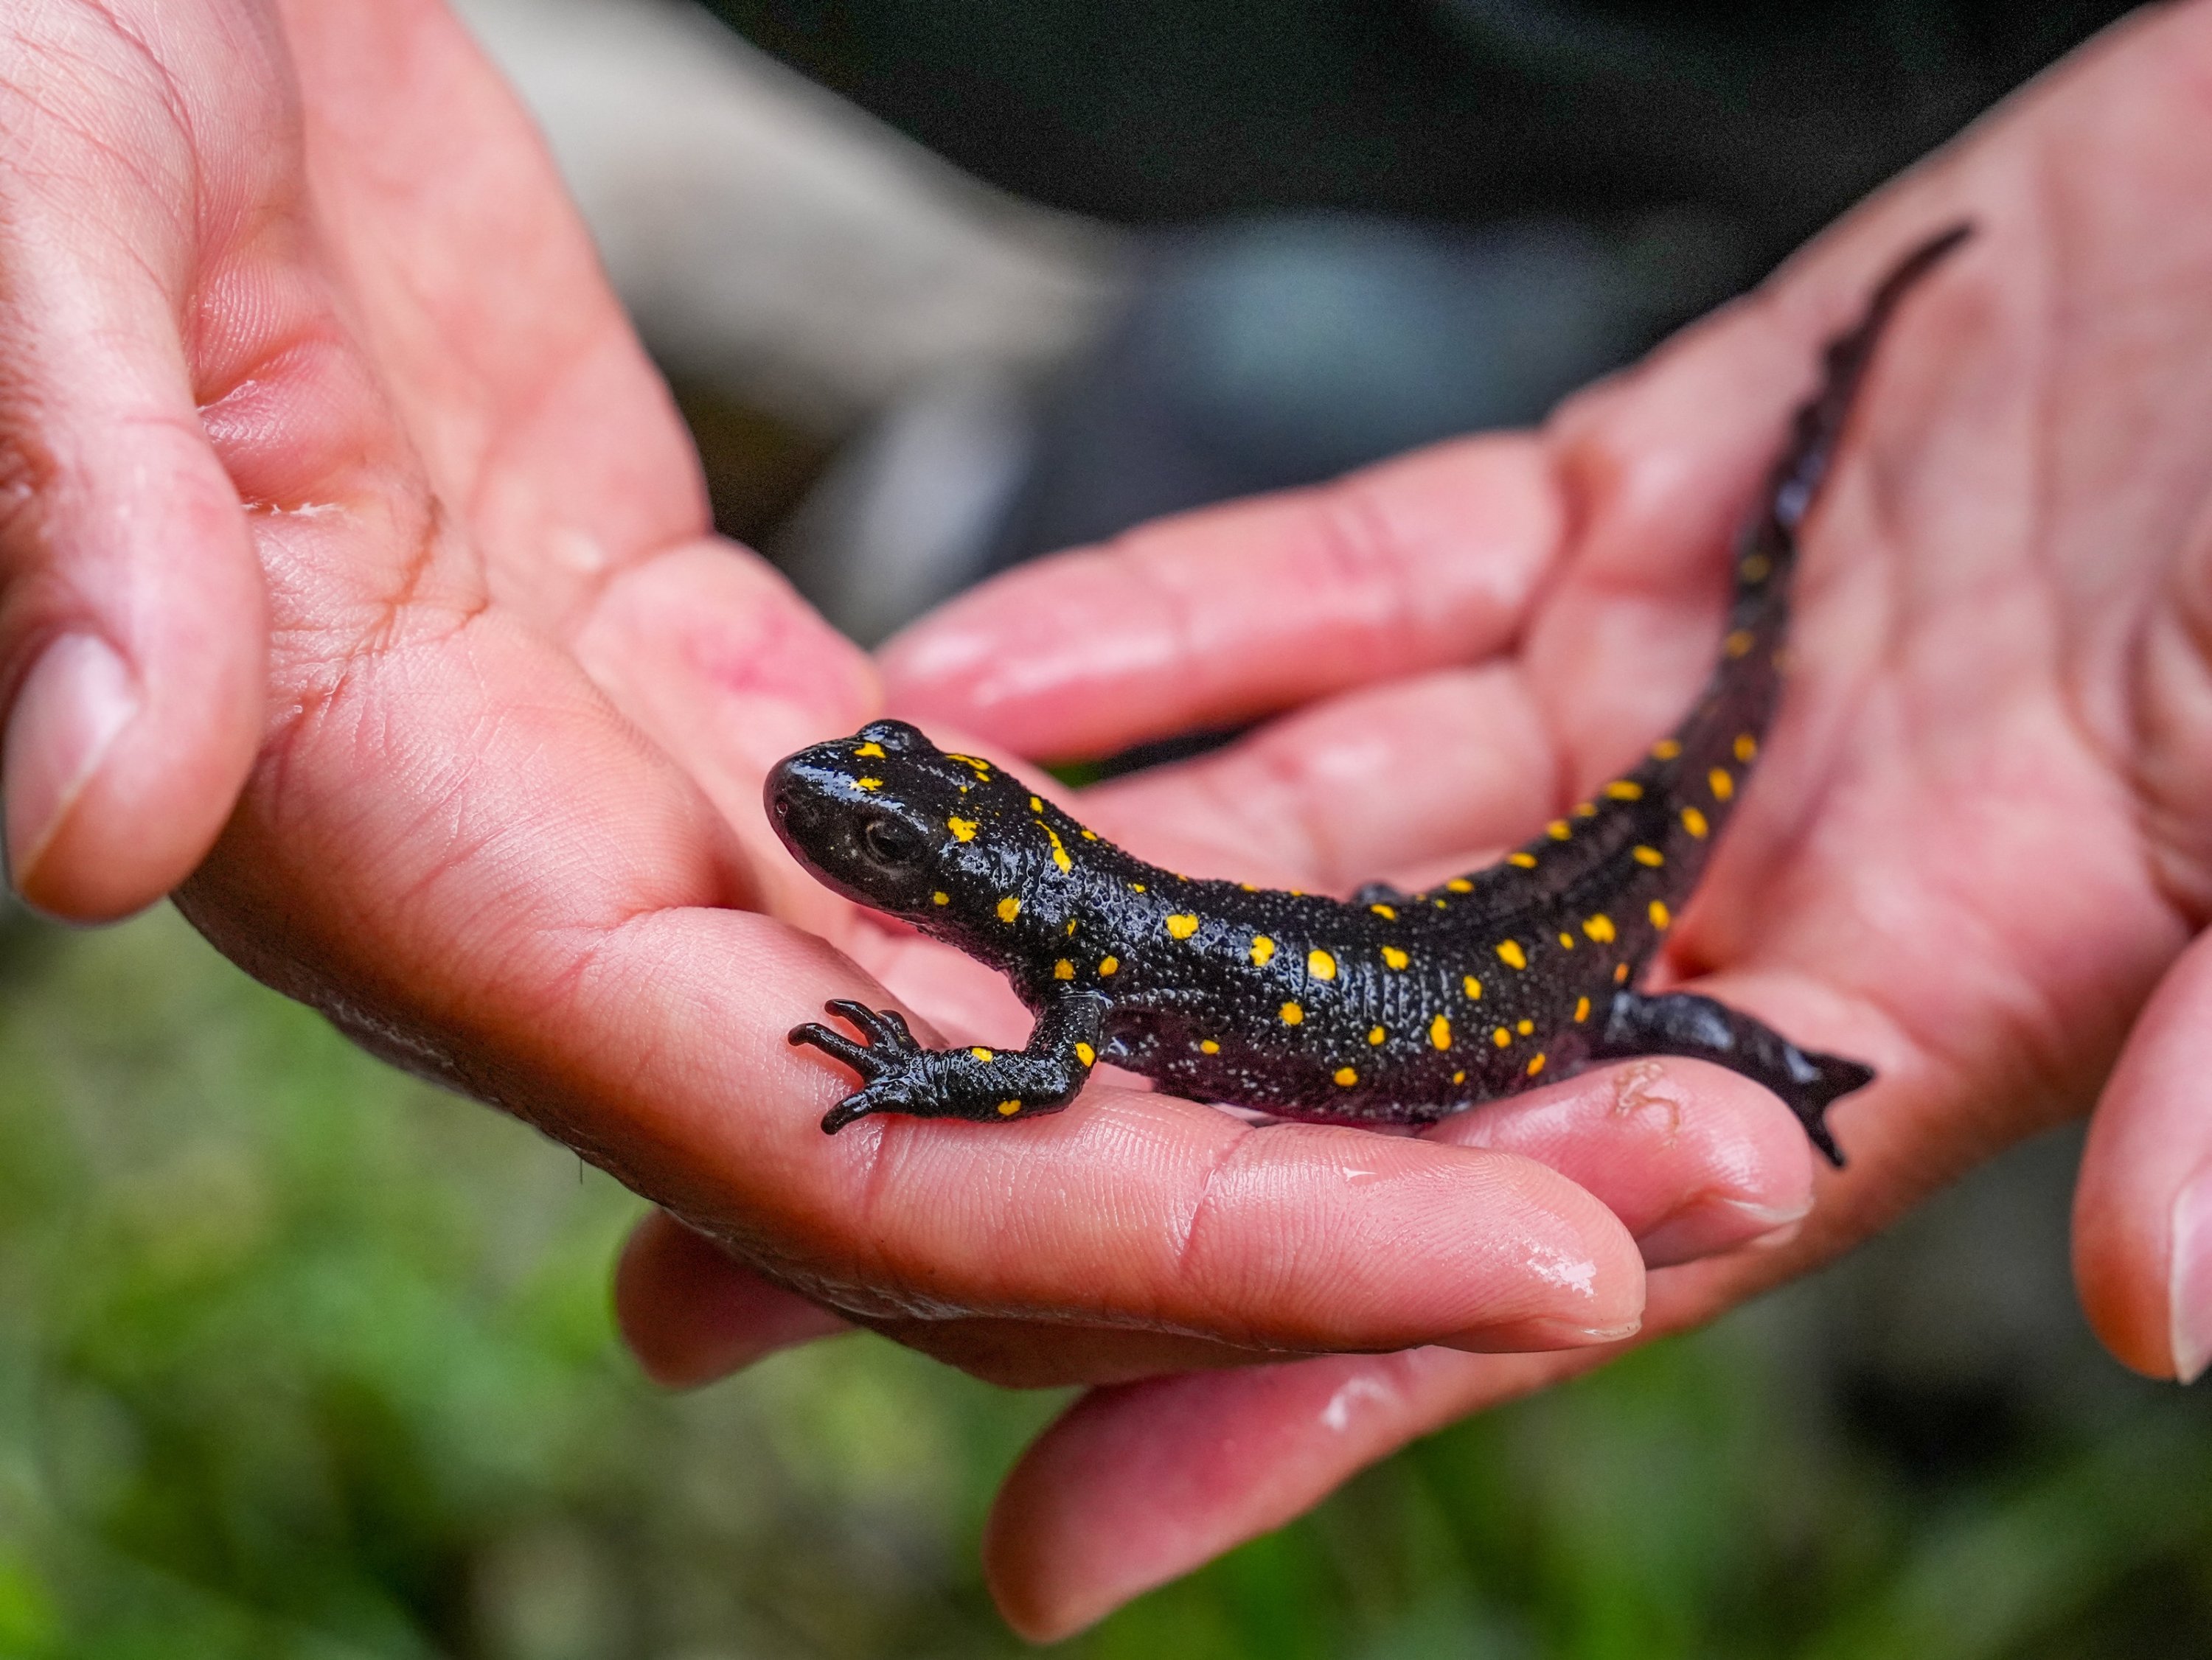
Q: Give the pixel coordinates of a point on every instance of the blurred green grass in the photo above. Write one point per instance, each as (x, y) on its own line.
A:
(300, 1357)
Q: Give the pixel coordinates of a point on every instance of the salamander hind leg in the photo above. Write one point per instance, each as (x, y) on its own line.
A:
(991, 1086)
(1682, 1023)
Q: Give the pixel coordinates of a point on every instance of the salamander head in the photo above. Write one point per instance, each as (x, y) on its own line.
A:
(886, 818)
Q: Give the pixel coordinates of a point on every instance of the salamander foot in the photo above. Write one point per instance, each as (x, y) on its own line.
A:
(898, 1073)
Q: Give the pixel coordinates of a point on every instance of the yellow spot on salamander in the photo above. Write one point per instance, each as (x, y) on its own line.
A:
(1559, 830)
(1059, 853)
(1108, 964)
(1567, 941)
(1376, 1034)
(1292, 1014)
(1136, 888)
(1090, 835)
(1392, 957)
(1737, 643)
(940, 897)
(1036, 806)
(1459, 1077)
(1181, 926)
(1513, 955)
(1063, 970)
(1071, 928)
(1459, 885)
(1724, 786)
(1263, 951)
(961, 829)
(1502, 1038)
(1321, 965)
(1585, 810)
(1388, 913)
(1086, 1054)
(1440, 1032)
(1535, 1066)
(1207, 1046)
(1747, 748)
(1694, 822)
(1009, 908)
(870, 752)
(1526, 861)
(1346, 1076)
(1526, 1028)
(1600, 928)
(1621, 973)
(1757, 567)
(1582, 1010)
(1625, 789)
(1660, 917)
(1650, 856)
(1666, 749)
(869, 784)
(983, 1054)
(1007, 1109)
(1473, 987)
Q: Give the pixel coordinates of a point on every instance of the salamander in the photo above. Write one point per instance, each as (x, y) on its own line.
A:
(1390, 1008)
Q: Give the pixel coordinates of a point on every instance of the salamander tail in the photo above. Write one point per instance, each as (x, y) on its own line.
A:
(1819, 428)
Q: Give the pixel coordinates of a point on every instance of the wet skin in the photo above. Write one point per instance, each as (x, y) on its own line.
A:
(1394, 1009)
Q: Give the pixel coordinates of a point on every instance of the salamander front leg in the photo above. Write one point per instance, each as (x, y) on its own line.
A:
(899, 1076)
(1682, 1023)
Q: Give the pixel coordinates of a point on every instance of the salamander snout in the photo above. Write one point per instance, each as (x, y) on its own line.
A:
(864, 816)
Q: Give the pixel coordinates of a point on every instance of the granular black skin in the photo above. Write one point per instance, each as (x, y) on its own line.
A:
(1394, 1009)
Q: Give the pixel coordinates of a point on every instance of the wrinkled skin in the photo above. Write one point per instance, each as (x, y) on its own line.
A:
(460, 725)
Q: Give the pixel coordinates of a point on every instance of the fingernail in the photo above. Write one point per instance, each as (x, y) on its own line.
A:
(72, 706)
(2188, 1277)
(1539, 1335)
(1708, 1225)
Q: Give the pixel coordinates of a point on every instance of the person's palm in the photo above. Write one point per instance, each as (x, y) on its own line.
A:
(1981, 831)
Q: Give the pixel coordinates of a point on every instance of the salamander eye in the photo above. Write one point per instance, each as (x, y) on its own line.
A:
(891, 841)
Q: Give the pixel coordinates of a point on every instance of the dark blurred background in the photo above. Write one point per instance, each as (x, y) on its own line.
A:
(300, 1357)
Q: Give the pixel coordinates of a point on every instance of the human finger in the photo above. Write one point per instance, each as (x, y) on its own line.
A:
(1378, 781)
(133, 635)
(2142, 1207)
(691, 1313)
(1693, 1159)
(1137, 1484)
(1215, 617)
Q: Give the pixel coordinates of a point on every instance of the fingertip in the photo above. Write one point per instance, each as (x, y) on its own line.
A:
(2143, 1205)
(1693, 1160)
(691, 1313)
(134, 645)
(117, 780)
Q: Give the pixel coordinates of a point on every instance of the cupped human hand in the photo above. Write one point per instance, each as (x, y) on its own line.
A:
(357, 576)
(1979, 849)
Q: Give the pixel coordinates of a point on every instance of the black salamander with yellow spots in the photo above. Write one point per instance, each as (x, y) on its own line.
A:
(1393, 1008)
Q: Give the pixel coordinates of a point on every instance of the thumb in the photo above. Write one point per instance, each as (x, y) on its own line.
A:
(2142, 1210)
(133, 639)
